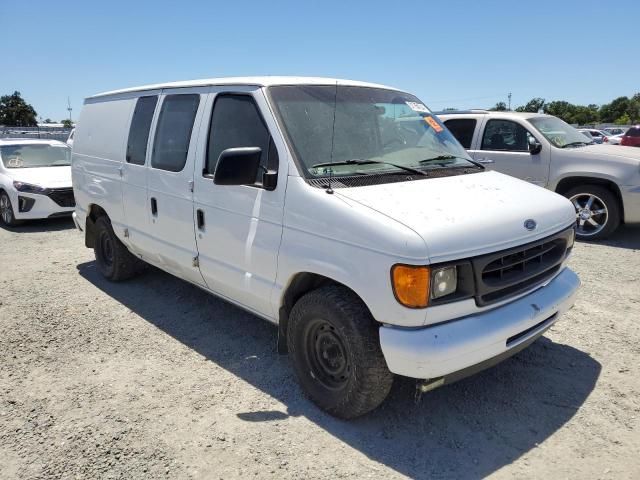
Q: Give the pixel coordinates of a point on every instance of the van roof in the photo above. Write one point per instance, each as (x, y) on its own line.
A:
(265, 81)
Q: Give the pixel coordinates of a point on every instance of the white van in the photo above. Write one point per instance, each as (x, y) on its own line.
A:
(342, 211)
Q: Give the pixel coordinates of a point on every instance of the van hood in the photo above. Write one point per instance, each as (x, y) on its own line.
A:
(48, 177)
(610, 151)
(468, 215)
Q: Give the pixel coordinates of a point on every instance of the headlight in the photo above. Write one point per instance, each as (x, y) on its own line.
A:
(28, 187)
(444, 282)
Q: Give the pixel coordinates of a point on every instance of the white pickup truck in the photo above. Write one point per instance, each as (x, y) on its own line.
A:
(602, 181)
(342, 211)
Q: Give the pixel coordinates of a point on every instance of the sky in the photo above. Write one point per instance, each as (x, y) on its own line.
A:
(453, 53)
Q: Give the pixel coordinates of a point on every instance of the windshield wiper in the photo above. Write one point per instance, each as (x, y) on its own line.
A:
(576, 143)
(440, 158)
(360, 161)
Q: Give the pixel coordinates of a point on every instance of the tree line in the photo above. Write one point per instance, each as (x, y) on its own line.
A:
(16, 112)
(621, 111)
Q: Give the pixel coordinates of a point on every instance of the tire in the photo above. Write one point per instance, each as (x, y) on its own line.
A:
(334, 346)
(589, 199)
(113, 259)
(7, 216)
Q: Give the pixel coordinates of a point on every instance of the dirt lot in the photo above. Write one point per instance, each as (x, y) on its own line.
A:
(154, 378)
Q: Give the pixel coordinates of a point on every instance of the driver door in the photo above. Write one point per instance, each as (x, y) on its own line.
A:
(504, 147)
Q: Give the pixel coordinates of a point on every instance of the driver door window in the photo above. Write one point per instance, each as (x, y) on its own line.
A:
(505, 135)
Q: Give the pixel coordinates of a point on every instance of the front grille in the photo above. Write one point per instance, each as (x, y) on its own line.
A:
(62, 196)
(507, 273)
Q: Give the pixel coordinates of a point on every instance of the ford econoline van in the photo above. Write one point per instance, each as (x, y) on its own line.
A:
(343, 212)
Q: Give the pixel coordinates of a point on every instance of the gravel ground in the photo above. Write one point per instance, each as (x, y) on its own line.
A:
(154, 378)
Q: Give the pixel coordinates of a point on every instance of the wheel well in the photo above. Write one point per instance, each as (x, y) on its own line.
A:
(567, 184)
(95, 212)
(301, 284)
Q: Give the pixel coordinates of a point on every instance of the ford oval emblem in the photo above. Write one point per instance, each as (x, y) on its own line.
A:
(530, 224)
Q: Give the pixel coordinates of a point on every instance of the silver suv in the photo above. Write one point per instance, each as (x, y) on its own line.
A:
(602, 181)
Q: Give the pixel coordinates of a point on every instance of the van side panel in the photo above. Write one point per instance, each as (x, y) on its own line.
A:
(98, 153)
(313, 241)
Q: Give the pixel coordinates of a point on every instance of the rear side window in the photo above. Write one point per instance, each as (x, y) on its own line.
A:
(633, 132)
(462, 129)
(173, 133)
(139, 131)
(236, 122)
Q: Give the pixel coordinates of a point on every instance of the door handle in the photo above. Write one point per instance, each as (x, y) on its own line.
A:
(485, 160)
(154, 206)
(200, 219)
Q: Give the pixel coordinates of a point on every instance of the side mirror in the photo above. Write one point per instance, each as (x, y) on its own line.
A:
(238, 166)
(535, 147)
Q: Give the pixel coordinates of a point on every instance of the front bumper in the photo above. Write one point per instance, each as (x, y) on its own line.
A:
(631, 203)
(482, 339)
(42, 207)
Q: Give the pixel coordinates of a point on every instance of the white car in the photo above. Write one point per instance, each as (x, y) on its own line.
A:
(344, 212)
(615, 130)
(615, 139)
(35, 180)
(598, 136)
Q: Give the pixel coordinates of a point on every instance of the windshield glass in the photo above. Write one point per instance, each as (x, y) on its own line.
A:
(34, 155)
(558, 132)
(363, 126)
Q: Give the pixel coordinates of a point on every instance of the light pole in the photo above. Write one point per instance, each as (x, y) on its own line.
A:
(509, 101)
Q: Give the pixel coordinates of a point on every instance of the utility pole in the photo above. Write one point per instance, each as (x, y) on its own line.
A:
(509, 101)
(69, 108)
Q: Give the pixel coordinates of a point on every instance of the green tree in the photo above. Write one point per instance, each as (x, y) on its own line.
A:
(47, 120)
(623, 120)
(499, 107)
(66, 123)
(610, 112)
(561, 109)
(15, 112)
(534, 105)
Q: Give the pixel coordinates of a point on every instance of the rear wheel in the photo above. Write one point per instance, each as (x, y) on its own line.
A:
(6, 211)
(113, 259)
(597, 211)
(334, 345)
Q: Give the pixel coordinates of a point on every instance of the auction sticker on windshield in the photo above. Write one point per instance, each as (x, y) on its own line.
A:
(418, 107)
(433, 123)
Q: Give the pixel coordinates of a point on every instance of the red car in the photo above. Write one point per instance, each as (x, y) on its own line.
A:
(632, 137)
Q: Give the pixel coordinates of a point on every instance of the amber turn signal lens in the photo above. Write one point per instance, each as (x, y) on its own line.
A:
(411, 285)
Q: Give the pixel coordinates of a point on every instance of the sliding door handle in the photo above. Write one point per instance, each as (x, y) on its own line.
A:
(200, 219)
(154, 206)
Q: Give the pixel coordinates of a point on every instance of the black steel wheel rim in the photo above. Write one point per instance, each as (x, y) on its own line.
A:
(106, 249)
(327, 355)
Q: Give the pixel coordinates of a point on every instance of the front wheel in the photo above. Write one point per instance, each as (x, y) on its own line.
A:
(597, 211)
(6, 211)
(334, 346)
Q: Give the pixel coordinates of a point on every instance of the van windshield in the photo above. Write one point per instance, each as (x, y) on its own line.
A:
(35, 155)
(345, 130)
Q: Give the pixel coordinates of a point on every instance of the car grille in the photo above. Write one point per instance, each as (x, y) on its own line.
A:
(507, 273)
(62, 196)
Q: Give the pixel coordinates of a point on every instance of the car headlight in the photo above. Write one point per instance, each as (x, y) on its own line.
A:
(444, 282)
(28, 187)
